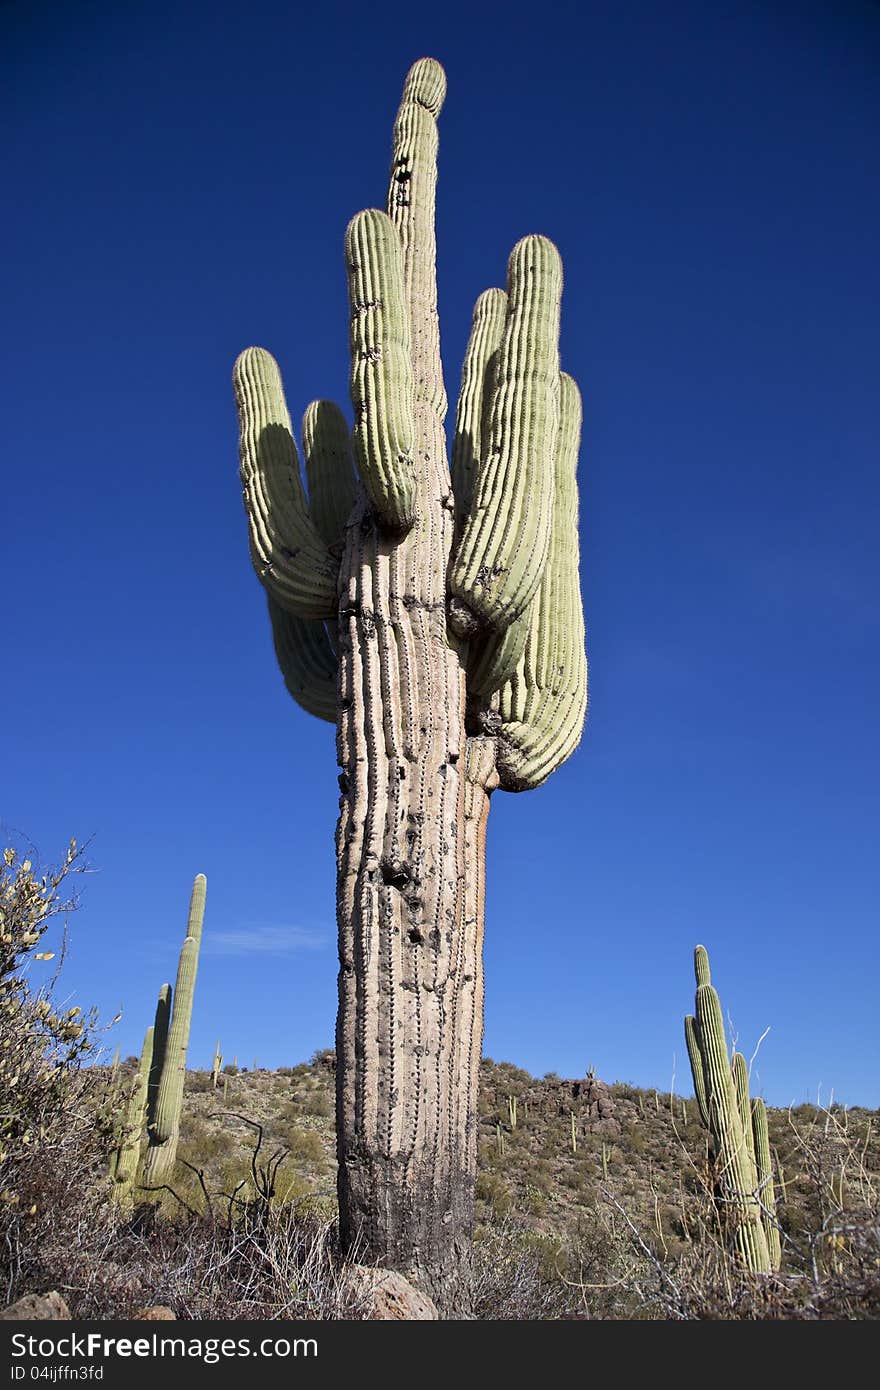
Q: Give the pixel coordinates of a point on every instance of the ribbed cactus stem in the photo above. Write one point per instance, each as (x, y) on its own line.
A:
(287, 550)
(307, 661)
(696, 1061)
(326, 442)
(124, 1169)
(543, 705)
(475, 397)
(161, 1024)
(740, 1068)
(766, 1188)
(701, 966)
(381, 369)
(734, 1168)
(503, 548)
(165, 1125)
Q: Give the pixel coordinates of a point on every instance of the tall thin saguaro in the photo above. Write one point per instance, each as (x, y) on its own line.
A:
(435, 616)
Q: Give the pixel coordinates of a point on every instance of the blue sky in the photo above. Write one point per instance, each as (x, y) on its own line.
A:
(181, 179)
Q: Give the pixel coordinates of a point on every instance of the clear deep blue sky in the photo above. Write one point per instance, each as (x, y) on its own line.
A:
(178, 180)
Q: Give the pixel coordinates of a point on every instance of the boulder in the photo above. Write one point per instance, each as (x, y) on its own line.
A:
(388, 1296)
(38, 1307)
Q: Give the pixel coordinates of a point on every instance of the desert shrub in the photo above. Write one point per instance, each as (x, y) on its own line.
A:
(55, 1115)
(324, 1058)
(197, 1082)
(318, 1103)
(304, 1145)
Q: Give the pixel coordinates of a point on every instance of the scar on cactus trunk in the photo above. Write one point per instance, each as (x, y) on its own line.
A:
(432, 715)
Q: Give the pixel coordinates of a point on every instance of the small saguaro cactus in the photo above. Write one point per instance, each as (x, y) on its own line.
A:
(721, 1085)
(126, 1157)
(433, 613)
(217, 1066)
(164, 1117)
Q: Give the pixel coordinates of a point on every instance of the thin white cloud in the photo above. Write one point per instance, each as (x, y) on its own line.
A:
(270, 941)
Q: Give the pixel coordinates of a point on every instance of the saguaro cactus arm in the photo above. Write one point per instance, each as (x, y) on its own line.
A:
(286, 548)
(161, 1024)
(470, 442)
(696, 1061)
(329, 470)
(307, 660)
(504, 544)
(127, 1158)
(544, 703)
(766, 1187)
(381, 369)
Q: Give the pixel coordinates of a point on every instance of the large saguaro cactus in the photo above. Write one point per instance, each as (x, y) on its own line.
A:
(436, 618)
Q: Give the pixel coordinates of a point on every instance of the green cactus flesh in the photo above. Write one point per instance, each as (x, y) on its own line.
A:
(766, 1188)
(128, 1154)
(543, 705)
(161, 1023)
(329, 470)
(381, 368)
(503, 548)
(306, 659)
(165, 1122)
(286, 548)
(696, 1061)
(734, 1167)
(475, 397)
(740, 1068)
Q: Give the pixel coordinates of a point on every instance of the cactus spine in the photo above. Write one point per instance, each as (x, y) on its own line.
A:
(436, 616)
(164, 1118)
(721, 1085)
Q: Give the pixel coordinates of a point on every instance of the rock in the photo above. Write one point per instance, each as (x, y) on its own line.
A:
(158, 1313)
(388, 1296)
(35, 1307)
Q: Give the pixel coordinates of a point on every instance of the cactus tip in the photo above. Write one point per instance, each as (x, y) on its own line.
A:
(701, 966)
(426, 85)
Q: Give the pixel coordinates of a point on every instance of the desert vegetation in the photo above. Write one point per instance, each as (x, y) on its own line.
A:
(592, 1200)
